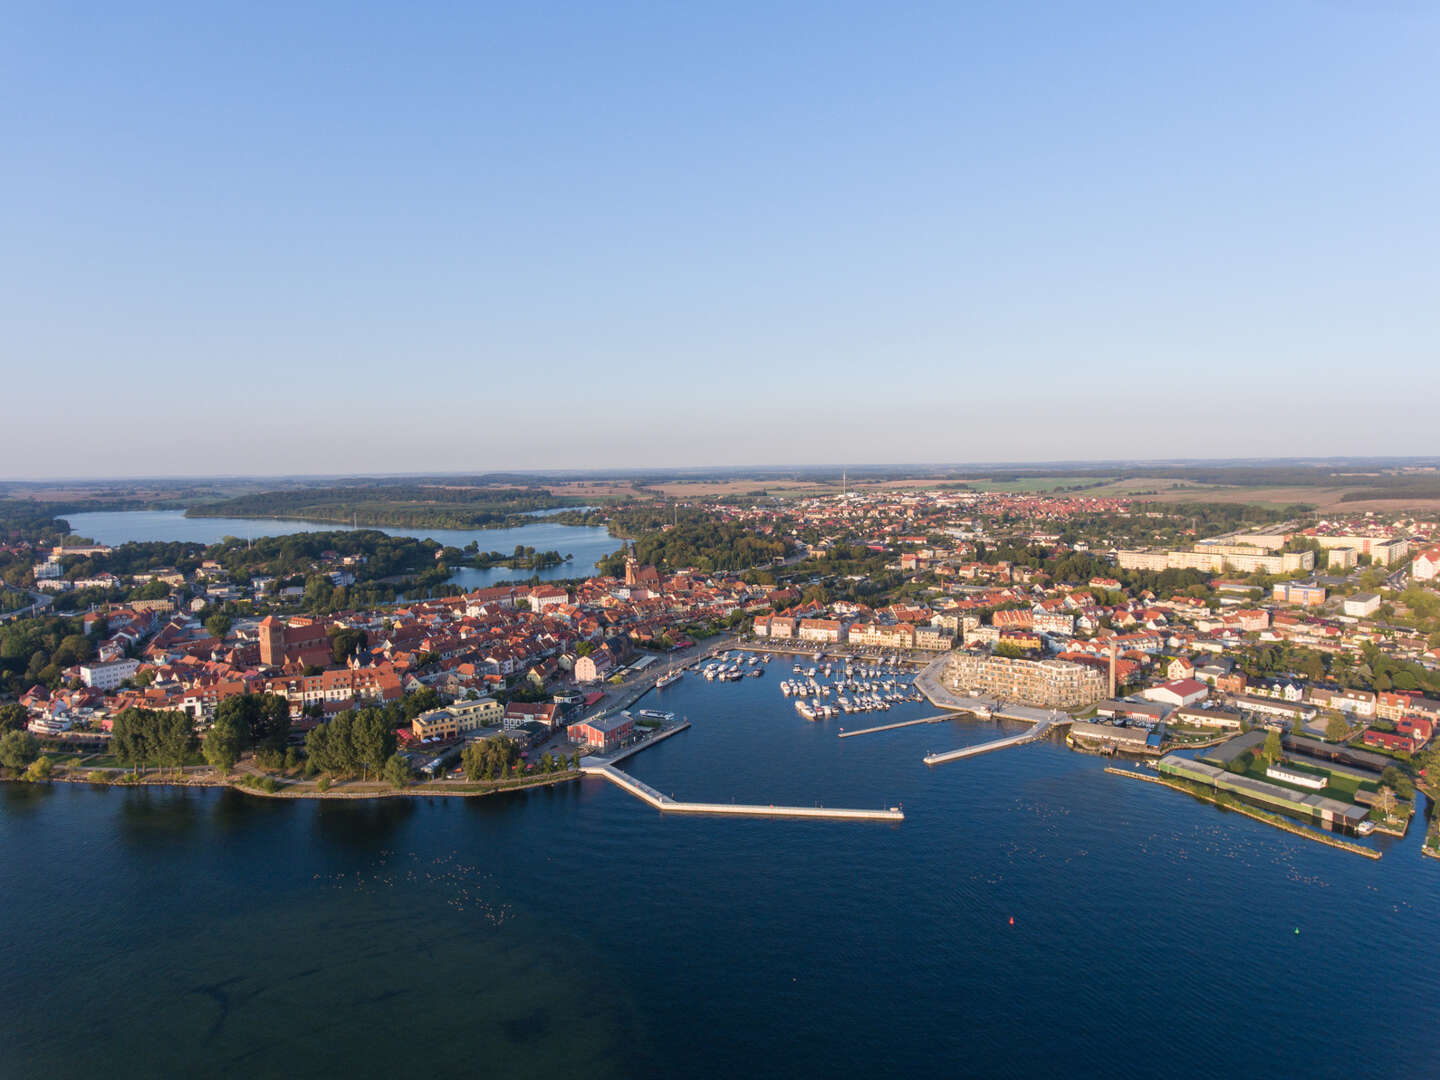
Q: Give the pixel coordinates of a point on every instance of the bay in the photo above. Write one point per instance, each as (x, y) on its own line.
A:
(575, 931)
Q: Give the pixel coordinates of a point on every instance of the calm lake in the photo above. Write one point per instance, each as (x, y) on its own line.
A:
(585, 543)
(576, 932)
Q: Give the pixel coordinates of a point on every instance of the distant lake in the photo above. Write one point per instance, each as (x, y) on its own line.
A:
(585, 543)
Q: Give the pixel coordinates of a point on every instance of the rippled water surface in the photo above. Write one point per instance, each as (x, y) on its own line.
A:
(575, 932)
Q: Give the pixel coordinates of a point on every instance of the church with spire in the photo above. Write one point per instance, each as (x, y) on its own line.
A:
(635, 574)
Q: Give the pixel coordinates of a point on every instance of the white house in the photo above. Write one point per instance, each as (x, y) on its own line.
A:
(1426, 566)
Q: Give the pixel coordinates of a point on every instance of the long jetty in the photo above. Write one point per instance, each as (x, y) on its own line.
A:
(665, 804)
(892, 727)
(995, 744)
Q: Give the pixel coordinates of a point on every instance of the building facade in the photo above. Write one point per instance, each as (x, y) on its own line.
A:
(1051, 683)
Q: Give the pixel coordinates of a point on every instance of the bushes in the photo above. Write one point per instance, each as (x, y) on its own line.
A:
(323, 784)
(40, 769)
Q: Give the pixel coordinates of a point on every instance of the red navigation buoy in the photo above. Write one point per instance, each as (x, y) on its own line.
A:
(1012, 920)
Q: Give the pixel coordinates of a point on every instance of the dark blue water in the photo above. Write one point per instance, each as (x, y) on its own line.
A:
(575, 932)
(585, 543)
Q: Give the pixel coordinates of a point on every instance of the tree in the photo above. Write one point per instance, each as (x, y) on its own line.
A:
(397, 771)
(13, 717)
(18, 749)
(218, 625)
(1336, 729)
(1394, 778)
(39, 770)
(1272, 751)
(1385, 801)
(373, 740)
(346, 643)
(422, 701)
(174, 738)
(223, 744)
(130, 738)
(264, 719)
(486, 759)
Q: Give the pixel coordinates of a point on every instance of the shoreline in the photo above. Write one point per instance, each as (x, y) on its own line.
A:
(1284, 826)
(284, 788)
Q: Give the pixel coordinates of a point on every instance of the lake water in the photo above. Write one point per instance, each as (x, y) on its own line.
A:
(585, 543)
(576, 932)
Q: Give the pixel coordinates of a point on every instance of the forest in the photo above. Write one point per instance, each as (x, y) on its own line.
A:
(400, 505)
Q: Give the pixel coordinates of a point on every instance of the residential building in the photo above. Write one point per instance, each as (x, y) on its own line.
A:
(830, 631)
(108, 676)
(595, 667)
(1426, 566)
(1361, 605)
(1054, 683)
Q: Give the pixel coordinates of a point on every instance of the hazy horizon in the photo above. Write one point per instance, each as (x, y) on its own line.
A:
(351, 239)
(856, 470)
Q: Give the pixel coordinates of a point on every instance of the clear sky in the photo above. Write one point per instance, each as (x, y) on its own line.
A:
(391, 237)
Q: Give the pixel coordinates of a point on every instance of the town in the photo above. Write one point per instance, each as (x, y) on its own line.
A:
(1282, 657)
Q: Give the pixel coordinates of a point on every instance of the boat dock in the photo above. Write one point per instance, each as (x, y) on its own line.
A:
(892, 727)
(665, 804)
(1036, 732)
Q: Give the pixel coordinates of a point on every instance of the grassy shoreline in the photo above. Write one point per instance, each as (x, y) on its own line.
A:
(307, 789)
(1274, 820)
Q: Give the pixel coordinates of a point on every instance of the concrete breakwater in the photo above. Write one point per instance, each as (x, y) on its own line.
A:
(664, 803)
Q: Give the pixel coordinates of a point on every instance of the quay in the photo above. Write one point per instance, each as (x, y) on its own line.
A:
(665, 804)
(644, 744)
(892, 727)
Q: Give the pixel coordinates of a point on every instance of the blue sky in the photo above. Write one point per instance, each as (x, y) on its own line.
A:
(353, 237)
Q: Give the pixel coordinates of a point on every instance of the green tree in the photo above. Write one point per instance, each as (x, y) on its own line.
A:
(1272, 751)
(397, 771)
(1336, 729)
(18, 749)
(346, 643)
(218, 625)
(1402, 784)
(174, 738)
(223, 744)
(40, 769)
(131, 738)
(13, 717)
(373, 740)
(263, 718)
